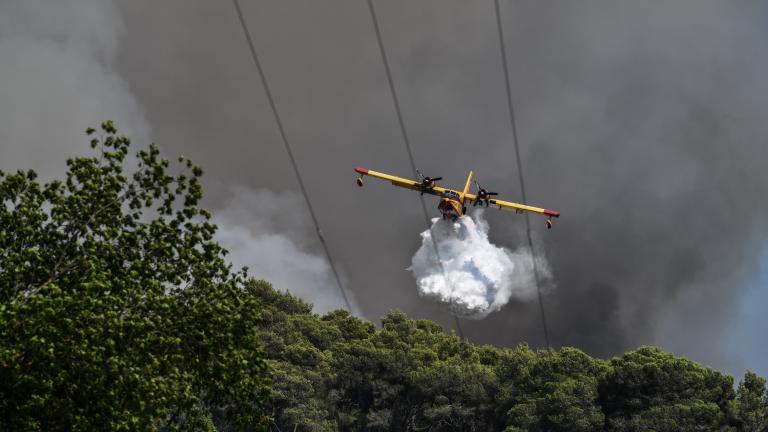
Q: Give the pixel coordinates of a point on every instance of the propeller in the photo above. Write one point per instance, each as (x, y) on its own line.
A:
(483, 195)
(427, 183)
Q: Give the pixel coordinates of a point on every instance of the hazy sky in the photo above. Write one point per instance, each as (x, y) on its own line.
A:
(747, 333)
(642, 122)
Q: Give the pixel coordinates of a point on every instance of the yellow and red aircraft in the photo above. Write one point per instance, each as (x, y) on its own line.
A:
(453, 202)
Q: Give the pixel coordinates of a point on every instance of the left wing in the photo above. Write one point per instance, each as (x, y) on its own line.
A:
(400, 181)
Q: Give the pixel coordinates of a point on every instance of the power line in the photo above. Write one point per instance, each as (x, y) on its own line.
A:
(290, 153)
(408, 148)
(520, 177)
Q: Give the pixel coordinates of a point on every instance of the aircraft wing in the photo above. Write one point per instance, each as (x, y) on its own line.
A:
(520, 208)
(402, 182)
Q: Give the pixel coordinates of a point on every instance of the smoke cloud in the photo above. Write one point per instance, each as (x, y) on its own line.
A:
(642, 122)
(458, 266)
(58, 77)
(264, 231)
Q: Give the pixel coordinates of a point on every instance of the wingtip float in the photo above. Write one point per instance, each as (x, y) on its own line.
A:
(453, 202)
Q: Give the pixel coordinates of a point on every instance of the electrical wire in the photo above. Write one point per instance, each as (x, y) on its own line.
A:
(290, 153)
(408, 148)
(520, 176)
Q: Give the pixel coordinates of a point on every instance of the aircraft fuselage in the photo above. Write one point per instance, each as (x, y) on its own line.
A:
(451, 204)
(450, 208)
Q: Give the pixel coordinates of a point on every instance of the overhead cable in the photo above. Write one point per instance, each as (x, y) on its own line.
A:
(288, 150)
(520, 176)
(407, 143)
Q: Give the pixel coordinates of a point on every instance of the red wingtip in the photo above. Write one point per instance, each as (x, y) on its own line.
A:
(552, 213)
(361, 170)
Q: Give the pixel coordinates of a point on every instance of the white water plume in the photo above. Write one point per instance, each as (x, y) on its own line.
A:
(476, 277)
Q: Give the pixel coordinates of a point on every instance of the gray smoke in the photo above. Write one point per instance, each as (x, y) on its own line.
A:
(649, 118)
(642, 122)
(58, 76)
(263, 231)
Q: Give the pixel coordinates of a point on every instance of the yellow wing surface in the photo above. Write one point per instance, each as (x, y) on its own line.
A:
(403, 182)
(520, 208)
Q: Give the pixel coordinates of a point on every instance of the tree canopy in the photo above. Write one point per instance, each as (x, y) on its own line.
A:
(337, 372)
(117, 309)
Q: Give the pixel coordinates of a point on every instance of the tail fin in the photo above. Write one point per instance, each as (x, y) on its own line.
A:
(466, 187)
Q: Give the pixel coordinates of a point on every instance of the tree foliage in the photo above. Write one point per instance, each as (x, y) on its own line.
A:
(752, 404)
(337, 372)
(117, 310)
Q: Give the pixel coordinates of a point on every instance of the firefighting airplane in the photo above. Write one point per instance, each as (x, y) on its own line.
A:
(453, 202)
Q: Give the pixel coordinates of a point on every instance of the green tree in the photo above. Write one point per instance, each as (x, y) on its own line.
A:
(117, 309)
(336, 372)
(298, 345)
(649, 389)
(552, 391)
(410, 375)
(752, 404)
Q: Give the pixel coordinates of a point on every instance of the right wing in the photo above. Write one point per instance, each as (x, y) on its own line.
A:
(520, 208)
